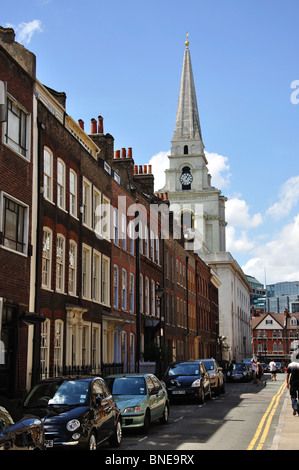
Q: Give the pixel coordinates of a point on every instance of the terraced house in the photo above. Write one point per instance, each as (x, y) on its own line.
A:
(90, 281)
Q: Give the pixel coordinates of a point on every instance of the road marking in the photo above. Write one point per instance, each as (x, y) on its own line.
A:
(270, 411)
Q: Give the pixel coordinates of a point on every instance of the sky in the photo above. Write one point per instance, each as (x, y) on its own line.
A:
(123, 61)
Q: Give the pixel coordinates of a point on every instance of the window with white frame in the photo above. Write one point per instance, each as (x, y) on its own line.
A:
(85, 345)
(61, 184)
(146, 294)
(152, 246)
(124, 231)
(73, 193)
(48, 174)
(157, 246)
(96, 272)
(115, 286)
(105, 280)
(45, 348)
(105, 218)
(60, 263)
(47, 258)
(153, 296)
(124, 288)
(18, 128)
(72, 267)
(86, 272)
(86, 200)
(95, 348)
(131, 292)
(146, 241)
(131, 236)
(58, 347)
(96, 211)
(115, 225)
(14, 224)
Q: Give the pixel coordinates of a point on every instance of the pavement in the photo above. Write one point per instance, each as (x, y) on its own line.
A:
(287, 432)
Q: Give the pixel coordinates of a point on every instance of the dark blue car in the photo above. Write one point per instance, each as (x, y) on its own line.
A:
(77, 412)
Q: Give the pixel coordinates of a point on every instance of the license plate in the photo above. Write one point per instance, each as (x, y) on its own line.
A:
(49, 443)
(178, 392)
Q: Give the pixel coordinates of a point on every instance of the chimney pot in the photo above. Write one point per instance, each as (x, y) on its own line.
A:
(129, 152)
(145, 169)
(150, 169)
(140, 169)
(100, 125)
(123, 153)
(117, 153)
(135, 169)
(93, 126)
(81, 123)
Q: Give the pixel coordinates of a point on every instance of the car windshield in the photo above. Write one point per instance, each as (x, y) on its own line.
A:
(184, 369)
(126, 385)
(68, 392)
(239, 367)
(209, 365)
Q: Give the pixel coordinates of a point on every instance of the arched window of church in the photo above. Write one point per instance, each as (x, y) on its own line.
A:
(185, 149)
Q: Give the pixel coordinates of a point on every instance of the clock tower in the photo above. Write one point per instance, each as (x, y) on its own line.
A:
(197, 206)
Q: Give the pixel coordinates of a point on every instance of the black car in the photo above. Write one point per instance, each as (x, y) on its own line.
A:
(23, 434)
(77, 412)
(238, 372)
(185, 380)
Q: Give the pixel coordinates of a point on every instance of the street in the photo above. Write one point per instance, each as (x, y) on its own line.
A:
(244, 418)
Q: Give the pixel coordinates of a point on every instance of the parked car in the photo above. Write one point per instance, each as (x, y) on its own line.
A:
(185, 380)
(238, 372)
(77, 412)
(279, 367)
(265, 367)
(24, 434)
(141, 398)
(216, 375)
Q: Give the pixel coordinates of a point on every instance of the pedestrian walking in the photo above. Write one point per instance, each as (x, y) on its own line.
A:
(259, 373)
(272, 367)
(293, 384)
(253, 368)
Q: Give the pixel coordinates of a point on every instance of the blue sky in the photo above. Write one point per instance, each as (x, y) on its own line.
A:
(123, 60)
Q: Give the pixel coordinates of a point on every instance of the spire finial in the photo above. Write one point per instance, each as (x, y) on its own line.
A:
(187, 42)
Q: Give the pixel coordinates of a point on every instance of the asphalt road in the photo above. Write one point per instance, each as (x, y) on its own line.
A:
(242, 418)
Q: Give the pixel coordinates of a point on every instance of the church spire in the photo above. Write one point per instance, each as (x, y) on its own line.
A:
(187, 126)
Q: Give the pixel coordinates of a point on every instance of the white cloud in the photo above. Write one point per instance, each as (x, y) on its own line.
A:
(288, 198)
(160, 163)
(218, 169)
(240, 244)
(24, 31)
(237, 214)
(277, 258)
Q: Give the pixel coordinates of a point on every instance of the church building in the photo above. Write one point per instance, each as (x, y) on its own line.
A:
(199, 208)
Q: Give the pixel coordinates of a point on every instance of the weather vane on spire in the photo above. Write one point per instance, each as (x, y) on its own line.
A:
(187, 42)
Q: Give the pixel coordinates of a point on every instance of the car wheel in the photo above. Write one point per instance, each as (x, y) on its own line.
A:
(92, 442)
(164, 418)
(116, 438)
(147, 422)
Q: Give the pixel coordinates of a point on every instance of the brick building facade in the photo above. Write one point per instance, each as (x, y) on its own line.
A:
(95, 256)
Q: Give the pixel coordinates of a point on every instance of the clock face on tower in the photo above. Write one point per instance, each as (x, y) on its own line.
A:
(186, 179)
